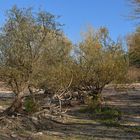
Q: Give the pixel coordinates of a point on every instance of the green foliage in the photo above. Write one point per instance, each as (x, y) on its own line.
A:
(30, 105)
(100, 61)
(22, 41)
(108, 111)
(55, 67)
(107, 115)
(93, 101)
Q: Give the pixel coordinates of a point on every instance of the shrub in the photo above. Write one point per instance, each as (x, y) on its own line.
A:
(30, 105)
(94, 102)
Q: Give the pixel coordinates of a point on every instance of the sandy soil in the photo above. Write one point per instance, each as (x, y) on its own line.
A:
(77, 126)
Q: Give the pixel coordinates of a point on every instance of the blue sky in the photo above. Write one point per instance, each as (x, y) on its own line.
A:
(78, 14)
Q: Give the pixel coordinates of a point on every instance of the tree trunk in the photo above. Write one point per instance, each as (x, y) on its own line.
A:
(16, 106)
(31, 93)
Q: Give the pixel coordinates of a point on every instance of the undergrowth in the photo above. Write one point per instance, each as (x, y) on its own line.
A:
(106, 115)
(30, 105)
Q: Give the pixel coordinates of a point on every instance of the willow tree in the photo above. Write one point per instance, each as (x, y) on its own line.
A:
(22, 40)
(54, 70)
(101, 61)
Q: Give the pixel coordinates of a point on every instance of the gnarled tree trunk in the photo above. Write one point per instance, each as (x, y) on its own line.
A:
(16, 106)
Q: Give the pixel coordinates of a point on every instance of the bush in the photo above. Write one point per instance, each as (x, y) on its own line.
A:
(30, 105)
(94, 102)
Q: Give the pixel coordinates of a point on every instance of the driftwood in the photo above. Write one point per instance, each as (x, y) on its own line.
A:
(61, 96)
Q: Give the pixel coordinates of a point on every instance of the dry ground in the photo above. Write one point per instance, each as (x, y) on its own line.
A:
(77, 125)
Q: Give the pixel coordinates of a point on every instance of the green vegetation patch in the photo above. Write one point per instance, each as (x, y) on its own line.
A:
(30, 105)
(107, 115)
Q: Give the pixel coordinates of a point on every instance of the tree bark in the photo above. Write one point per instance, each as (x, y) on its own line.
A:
(31, 93)
(16, 106)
